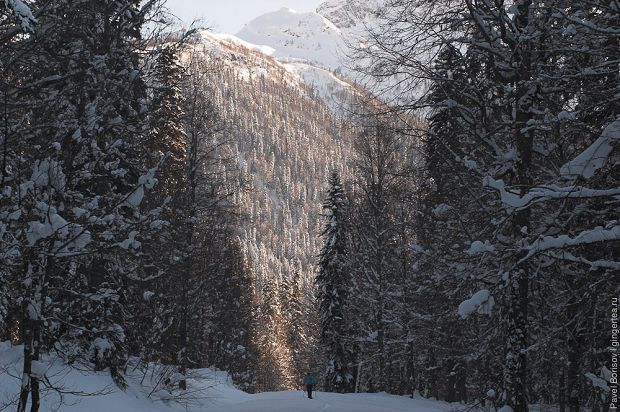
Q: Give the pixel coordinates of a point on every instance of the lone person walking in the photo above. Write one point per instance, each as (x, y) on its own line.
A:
(309, 381)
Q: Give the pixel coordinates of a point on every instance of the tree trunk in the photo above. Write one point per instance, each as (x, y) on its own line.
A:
(381, 348)
(515, 372)
(31, 336)
(183, 338)
(523, 136)
(562, 393)
(35, 395)
(574, 354)
(411, 370)
(27, 369)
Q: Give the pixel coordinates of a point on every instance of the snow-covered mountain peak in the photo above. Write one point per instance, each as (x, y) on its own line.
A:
(249, 60)
(308, 46)
(320, 37)
(295, 35)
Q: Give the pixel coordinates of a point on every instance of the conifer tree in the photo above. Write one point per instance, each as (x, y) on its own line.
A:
(333, 283)
(161, 262)
(296, 323)
(79, 182)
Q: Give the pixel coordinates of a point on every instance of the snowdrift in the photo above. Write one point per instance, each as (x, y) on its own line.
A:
(74, 388)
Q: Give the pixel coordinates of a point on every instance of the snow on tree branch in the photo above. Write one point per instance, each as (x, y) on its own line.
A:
(23, 14)
(147, 181)
(594, 264)
(586, 237)
(478, 247)
(585, 165)
(544, 193)
(481, 302)
(594, 157)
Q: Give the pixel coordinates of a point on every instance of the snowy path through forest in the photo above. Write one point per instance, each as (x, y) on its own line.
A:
(209, 391)
(332, 402)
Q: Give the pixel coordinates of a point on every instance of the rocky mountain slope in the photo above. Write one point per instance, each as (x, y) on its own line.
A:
(322, 37)
(349, 15)
(293, 35)
(324, 40)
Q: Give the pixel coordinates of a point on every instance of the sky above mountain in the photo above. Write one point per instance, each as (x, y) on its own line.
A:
(230, 16)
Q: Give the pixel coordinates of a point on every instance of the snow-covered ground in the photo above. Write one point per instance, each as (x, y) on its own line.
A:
(332, 402)
(73, 390)
(328, 86)
(208, 390)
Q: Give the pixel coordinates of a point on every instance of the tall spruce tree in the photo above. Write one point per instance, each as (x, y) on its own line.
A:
(296, 327)
(333, 282)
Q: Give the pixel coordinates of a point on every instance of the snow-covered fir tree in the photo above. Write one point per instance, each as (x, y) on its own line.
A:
(333, 280)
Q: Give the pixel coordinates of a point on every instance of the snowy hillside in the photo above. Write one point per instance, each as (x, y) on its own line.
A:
(269, 61)
(285, 137)
(331, 88)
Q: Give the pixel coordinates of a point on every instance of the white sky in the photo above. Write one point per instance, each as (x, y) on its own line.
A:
(229, 16)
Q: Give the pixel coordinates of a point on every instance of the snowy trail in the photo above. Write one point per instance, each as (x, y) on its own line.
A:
(210, 391)
(331, 402)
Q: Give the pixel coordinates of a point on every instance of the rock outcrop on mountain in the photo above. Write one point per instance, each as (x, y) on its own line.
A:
(349, 15)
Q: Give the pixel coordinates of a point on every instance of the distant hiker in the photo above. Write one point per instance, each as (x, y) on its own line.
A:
(309, 381)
